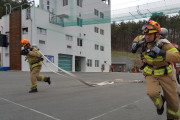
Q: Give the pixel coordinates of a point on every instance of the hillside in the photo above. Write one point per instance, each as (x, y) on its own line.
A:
(134, 57)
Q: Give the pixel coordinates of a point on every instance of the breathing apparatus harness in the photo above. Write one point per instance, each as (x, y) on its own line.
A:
(152, 54)
(26, 51)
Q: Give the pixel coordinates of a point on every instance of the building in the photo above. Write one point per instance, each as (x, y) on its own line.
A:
(73, 34)
(122, 64)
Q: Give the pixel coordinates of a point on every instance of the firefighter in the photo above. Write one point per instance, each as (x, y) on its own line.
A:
(35, 63)
(112, 68)
(158, 53)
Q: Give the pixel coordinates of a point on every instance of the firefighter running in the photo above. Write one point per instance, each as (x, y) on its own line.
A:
(35, 63)
(159, 53)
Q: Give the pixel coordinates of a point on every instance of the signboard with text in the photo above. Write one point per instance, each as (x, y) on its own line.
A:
(50, 57)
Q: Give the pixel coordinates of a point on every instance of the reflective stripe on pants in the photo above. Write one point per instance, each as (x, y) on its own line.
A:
(168, 84)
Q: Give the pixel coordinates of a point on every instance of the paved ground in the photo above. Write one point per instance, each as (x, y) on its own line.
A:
(68, 99)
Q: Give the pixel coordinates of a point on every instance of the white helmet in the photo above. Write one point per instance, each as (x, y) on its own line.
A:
(164, 32)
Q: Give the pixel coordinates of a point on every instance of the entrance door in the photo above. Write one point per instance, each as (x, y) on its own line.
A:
(77, 64)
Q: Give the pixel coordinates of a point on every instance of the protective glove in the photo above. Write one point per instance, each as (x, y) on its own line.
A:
(135, 47)
(24, 52)
(158, 51)
(41, 59)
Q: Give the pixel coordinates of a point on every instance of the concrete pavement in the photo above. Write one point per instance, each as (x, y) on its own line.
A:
(68, 99)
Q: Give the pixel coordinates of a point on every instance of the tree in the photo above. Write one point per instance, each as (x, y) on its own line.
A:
(122, 34)
(13, 4)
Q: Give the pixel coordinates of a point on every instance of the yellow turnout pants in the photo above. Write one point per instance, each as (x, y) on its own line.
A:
(34, 74)
(154, 83)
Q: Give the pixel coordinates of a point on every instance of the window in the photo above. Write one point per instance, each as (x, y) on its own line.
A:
(48, 8)
(79, 3)
(41, 42)
(41, 31)
(96, 47)
(68, 37)
(28, 13)
(25, 30)
(79, 22)
(65, 2)
(106, 2)
(79, 42)
(48, 5)
(68, 46)
(101, 15)
(6, 54)
(47, 2)
(102, 48)
(96, 29)
(96, 12)
(89, 61)
(101, 31)
(96, 63)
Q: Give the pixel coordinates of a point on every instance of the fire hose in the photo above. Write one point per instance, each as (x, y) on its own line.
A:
(84, 82)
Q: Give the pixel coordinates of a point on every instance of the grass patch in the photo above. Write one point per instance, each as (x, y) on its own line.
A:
(134, 57)
(125, 54)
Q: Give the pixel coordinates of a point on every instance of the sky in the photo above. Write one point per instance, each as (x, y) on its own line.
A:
(119, 4)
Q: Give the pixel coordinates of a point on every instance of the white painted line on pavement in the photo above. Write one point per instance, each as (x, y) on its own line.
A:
(117, 109)
(29, 109)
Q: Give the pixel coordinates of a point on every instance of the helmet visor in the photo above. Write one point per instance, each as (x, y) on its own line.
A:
(147, 29)
(24, 44)
(150, 27)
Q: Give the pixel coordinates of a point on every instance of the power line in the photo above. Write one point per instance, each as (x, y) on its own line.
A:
(142, 11)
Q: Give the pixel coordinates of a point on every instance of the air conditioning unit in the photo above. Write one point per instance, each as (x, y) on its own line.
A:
(3, 41)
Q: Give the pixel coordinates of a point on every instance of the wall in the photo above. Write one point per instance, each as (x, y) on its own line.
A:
(1, 30)
(5, 50)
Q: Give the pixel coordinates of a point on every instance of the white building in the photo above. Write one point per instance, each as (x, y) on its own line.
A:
(74, 34)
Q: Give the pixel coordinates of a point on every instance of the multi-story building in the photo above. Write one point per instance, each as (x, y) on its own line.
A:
(74, 34)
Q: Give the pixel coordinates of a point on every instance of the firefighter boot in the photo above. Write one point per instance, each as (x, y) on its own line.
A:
(33, 90)
(48, 80)
(160, 111)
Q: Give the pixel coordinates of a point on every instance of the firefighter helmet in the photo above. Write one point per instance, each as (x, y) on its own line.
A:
(151, 27)
(164, 32)
(24, 42)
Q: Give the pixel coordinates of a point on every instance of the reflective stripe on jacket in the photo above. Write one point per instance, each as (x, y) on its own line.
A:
(159, 59)
(34, 65)
(33, 58)
(161, 71)
(172, 56)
